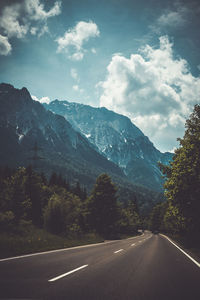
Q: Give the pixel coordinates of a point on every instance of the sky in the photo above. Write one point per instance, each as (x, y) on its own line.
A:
(136, 57)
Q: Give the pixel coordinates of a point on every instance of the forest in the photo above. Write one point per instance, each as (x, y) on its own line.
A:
(179, 214)
(28, 200)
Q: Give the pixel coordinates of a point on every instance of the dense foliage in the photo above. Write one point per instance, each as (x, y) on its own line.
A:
(28, 198)
(182, 186)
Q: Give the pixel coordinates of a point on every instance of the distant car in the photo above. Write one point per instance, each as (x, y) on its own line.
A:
(155, 232)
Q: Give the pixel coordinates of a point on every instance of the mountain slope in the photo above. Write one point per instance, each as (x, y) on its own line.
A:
(24, 122)
(118, 139)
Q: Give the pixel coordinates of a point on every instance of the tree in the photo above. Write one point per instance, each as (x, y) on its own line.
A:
(80, 192)
(102, 206)
(34, 191)
(157, 217)
(62, 214)
(53, 179)
(183, 179)
(129, 219)
(20, 202)
(77, 190)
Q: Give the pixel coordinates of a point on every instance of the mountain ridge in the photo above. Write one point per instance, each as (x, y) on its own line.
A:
(23, 120)
(25, 125)
(118, 139)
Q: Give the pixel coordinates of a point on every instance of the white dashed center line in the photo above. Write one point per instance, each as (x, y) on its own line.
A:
(68, 273)
(118, 251)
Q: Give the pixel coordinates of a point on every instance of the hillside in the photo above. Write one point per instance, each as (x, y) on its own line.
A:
(118, 139)
(32, 135)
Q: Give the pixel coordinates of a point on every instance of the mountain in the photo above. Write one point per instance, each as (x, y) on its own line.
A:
(31, 134)
(118, 139)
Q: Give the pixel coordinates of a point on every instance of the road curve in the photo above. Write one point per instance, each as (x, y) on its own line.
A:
(147, 267)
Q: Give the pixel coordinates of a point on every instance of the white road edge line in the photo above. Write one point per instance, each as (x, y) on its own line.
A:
(68, 273)
(137, 236)
(54, 251)
(192, 259)
(118, 251)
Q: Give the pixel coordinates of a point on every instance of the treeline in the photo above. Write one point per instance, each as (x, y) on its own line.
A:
(180, 214)
(28, 198)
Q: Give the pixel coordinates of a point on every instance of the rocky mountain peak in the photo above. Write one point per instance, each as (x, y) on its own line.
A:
(118, 139)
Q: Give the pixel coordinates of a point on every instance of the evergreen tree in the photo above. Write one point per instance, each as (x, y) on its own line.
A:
(157, 217)
(33, 189)
(183, 180)
(77, 190)
(84, 194)
(80, 192)
(21, 204)
(103, 208)
(62, 214)
(129, 219)
(53, 179)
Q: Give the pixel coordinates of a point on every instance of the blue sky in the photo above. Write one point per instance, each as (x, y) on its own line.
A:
(139, 58)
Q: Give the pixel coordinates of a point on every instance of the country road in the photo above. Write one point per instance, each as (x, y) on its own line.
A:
(147, 267)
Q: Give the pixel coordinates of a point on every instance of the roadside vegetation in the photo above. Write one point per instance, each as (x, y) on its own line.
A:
(37, 214)
(179, 216)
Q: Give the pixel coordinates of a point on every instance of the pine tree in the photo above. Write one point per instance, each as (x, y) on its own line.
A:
(183, 180)
(33, 189)
(53, 179)
(103, 209)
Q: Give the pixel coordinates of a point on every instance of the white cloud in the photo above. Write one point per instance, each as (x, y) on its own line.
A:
(41, 100)
(73, 39)
(36, 12)
(10, 21)
(5, 46)
(154, 89)
(93, 50)
(74, 74)
(77, 56)
(33, 30)
(17, 20)
(77, 88)
(173, 19)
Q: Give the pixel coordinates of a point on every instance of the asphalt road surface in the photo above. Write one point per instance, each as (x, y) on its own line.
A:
(147, 267)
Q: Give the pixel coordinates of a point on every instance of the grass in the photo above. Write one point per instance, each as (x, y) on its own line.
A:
(29, 239)
(38, 240)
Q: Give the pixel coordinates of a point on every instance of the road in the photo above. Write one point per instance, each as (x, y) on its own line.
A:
(147, 267)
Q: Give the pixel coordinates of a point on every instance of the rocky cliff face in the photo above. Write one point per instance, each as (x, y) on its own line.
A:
(25, 123)
(118, 139)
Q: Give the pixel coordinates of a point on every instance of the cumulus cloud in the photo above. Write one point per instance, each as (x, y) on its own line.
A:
(5, 46)
(18, 19)
(41, 100)
(73, 39)
(36, 11)
(156, 90)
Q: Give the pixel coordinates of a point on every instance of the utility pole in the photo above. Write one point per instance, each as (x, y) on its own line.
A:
(36, 157)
